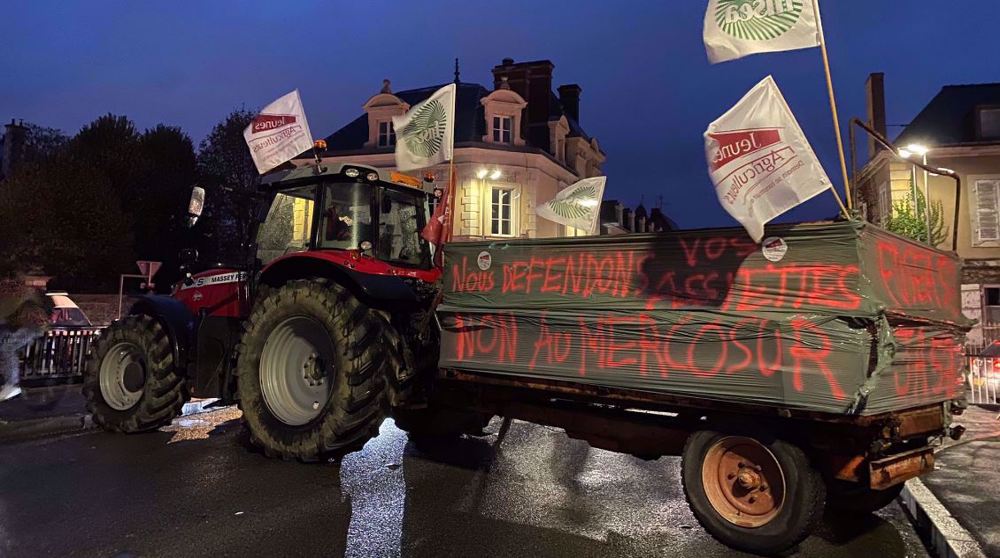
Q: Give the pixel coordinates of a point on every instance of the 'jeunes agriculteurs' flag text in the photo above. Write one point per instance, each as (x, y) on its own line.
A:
(279, 133)
(738, 28)
(425, 135)
(577, 205)
(760, 161)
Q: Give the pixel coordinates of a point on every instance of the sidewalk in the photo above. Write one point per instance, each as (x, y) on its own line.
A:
(966, 482)
(46, 411)
(43, 411)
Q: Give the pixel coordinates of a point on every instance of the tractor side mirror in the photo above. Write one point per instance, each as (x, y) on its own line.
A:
(195, 205)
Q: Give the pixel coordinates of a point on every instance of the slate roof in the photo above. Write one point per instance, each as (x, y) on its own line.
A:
(949, 119)
(470, 121)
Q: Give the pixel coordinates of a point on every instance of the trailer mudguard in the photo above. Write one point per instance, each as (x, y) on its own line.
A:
(175, 318)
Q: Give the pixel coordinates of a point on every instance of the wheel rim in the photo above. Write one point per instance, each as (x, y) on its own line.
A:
(743, 481)
(123, 376)
(296, 370)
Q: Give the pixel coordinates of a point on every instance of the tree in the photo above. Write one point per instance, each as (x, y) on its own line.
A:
(38, 145)
(110, 145)
(224, 161)
(167, 169)
(908, 219)
(65, 218)
(92, 205)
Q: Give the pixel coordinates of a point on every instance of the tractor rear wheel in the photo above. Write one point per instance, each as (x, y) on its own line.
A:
(310, 382)
(131, 382)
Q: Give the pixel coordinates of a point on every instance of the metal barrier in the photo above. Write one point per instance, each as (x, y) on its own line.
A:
(60, 354)
(983, 384)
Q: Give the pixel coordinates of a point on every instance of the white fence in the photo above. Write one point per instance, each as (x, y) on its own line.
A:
(983, 380)
(60, 354)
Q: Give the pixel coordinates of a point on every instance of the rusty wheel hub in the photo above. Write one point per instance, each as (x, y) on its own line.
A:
(743, 481)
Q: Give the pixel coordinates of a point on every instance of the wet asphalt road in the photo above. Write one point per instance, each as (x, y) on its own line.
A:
(195, 490)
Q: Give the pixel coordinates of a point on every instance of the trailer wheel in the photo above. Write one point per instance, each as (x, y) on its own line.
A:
(131, 382)
(309, 382)
(858, 498)
(751, 493)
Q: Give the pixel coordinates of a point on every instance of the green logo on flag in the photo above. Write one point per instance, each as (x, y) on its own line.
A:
(757, 20)
(579, 204)
(424, 134)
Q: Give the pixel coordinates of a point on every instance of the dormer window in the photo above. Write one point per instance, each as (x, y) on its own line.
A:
(380, 109)
(988, 122)
(386, 134)
(503, 110)
(502, 126)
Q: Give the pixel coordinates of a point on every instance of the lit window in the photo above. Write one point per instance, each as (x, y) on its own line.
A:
(502, 129)
(386, 134)
(989, 123)
(502, 212)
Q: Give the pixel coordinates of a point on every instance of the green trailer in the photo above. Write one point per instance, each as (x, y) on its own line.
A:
(820, 365)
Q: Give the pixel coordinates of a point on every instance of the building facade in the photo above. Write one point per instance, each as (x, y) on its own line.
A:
(958, 130)
(516, 146)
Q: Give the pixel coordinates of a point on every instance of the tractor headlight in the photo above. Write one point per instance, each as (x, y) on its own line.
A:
(372, 176)
(352, 173)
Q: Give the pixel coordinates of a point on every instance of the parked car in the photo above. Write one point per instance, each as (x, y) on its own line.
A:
(65, 312)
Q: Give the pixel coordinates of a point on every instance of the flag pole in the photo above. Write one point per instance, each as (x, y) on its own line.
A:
(836, 118)
(450, 208)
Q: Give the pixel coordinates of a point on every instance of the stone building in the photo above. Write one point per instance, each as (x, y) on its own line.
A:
(959, 129)
(517, 144)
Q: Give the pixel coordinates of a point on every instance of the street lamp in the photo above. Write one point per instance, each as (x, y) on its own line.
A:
(496, 174)
(921, 151)
(481, 173)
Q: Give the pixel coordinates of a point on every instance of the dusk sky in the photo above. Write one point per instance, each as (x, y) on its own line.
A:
(648, 89)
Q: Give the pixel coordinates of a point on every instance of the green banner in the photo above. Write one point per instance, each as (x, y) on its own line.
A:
(840, 317)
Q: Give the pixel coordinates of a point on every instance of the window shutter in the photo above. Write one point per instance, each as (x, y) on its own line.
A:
(987, 218)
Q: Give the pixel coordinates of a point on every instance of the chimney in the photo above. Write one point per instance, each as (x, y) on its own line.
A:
(875, 96)
(13, 148)
(569, 96)
(533, 82)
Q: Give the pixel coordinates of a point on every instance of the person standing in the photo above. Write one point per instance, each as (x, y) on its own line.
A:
(23, 317)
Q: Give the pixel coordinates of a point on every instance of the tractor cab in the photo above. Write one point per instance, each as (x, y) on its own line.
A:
(373, 216)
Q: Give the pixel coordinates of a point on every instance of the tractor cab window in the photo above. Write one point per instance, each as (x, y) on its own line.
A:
(288, 226)
(401, 218)
(346, 221)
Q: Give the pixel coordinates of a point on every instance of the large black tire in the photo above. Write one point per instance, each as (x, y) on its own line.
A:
(416, 361)
(135, 359)
(801, 508)
(354, 406)
(857, 498)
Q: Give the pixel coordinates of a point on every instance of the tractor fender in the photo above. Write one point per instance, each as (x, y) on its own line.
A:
(377, 291)
(174, 317)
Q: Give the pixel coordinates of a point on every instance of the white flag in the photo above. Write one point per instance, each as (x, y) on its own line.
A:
(577, 206)
(279, 133)
(425, 136)
(760, 161)
(738, 28)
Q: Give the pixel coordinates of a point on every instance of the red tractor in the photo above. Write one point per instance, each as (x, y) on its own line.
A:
(317, 340)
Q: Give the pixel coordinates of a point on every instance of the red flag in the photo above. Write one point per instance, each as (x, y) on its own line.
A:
(432, 232)
(436, 230)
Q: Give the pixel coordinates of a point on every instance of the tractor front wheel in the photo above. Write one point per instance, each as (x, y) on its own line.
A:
(131, 382)
(310, 382)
